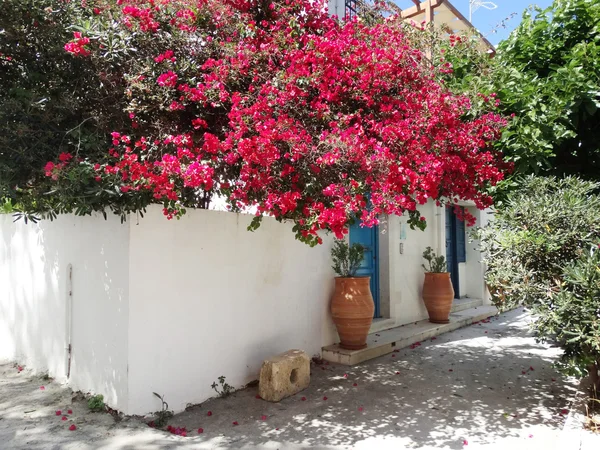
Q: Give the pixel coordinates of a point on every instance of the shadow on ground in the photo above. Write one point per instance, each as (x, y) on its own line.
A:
(488, 385)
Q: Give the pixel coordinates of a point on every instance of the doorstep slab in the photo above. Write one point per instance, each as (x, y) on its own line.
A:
(460, 304)
(387, 341)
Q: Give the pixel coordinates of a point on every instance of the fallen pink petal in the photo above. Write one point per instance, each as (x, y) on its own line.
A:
(303, 399)
(64, 418)
(360, 408)
(209, 413)
(72, 427)
(70, 411)
(42, 388)
(58, 413)
(355, 384)
(200, 430)
(324, 398)
(263, 417)
(465, 442)
(235, 422)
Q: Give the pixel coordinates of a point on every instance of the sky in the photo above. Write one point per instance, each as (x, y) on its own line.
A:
(486, 21)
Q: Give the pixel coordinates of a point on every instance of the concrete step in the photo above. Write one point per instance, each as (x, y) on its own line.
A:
(460, 304)
(387, 341)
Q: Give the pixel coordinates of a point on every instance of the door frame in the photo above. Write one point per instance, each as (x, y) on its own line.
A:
(375, 278)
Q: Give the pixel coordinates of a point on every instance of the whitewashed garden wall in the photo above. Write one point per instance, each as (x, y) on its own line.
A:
(169, 306)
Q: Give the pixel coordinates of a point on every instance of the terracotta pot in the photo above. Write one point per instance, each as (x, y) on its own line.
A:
(438, 295)
(352, 309)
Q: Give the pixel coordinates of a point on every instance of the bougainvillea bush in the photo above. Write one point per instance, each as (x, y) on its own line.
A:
(277, 108)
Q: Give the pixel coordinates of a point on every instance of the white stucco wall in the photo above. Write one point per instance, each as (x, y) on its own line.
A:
(34, 300)
(209, 298)
(406, 274)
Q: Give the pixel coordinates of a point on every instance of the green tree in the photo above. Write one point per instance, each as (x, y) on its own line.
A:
(546, 77)
(549, 77)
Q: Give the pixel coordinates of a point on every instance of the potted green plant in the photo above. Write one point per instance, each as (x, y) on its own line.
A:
(352, 304)
(438, 292)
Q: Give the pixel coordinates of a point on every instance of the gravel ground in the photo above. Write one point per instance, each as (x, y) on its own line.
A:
(488, 386)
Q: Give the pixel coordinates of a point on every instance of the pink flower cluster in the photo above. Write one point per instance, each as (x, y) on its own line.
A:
(77, 45)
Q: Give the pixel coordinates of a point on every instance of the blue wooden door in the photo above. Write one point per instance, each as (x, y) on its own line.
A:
(455, 247)
(369, 239)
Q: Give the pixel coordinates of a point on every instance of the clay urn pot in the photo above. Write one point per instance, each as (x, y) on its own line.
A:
(352, 310)
(438, 295)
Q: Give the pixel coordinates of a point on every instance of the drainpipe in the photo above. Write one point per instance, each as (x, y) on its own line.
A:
(69, 318)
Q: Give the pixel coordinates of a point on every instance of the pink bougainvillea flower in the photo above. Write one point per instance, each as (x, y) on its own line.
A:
(355, 384)
(397, 373)
(523, 372)
(19, 368)
(70, 411)
(58, 412)
(433, 338)
(564, 412)
(553, 379)
(257, 396)
(465, 442)
(64, 418)
(530, 436)
(531, 368)
(263, 417)
(200, 430)
(72, 427)
(345, 375)
(235, 422)
(303, 399)
(209, 413)
(360, 408)
(42, 388)
(324, 398)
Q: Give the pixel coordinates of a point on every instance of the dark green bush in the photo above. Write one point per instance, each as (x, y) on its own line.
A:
(574, 316)
(537, 251)
(50, 101)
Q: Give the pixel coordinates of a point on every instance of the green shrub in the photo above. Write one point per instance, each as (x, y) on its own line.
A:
(537, 254)
(574, 316)
(96, 403)
(346, 258)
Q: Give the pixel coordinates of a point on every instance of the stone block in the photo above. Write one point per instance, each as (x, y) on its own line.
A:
(284, 375)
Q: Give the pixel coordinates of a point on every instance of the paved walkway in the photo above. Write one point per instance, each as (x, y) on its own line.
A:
(488, 386)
